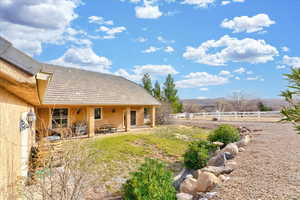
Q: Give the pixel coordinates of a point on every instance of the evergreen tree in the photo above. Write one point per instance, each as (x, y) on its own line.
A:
(147, 83)
(157, 93)
(170, 94)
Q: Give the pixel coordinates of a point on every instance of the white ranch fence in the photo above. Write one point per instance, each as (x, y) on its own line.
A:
(244, 116)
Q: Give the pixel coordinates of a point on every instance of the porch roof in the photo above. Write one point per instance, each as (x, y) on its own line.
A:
(71, 86)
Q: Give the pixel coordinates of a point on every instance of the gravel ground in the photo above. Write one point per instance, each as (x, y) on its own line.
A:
(268, 169)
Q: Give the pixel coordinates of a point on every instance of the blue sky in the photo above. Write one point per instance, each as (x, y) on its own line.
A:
(212, 47)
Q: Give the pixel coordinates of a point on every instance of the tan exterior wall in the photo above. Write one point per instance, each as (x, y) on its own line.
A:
(11, 108)
(110, 117)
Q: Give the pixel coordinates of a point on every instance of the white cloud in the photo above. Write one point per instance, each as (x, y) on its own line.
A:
(280, 67)
(237, 78)
(253, 78)
(240, 1)
(234, 50)
(249, 72)
(151, 49)
(26, 23)
(225, 73)
(203, 89)
(140, 70)
(200, 79)
(155, 69)
(224, 3)
(163, 40)
(293, 62)
(199, 3)
(248, 24)
(148, 11)
(111, 32)
(285, 49)
(84, 58)
(169, 49)
(240, 70)
(100, 20)
(141, 39)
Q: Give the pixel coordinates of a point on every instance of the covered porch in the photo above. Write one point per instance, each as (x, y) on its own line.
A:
(77, 121)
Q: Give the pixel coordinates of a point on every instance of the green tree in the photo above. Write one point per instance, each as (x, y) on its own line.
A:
(291, 112)
(170, 94)
(157, 93)
(262, 107)
(147, 83)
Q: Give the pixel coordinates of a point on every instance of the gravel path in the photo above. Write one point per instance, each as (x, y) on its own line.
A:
(268, 169)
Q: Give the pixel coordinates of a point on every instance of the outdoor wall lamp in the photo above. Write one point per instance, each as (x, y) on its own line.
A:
(31, 117)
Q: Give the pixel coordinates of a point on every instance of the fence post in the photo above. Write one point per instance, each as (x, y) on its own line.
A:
(259, 115)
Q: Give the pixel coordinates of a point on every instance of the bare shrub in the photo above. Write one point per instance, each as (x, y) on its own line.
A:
(162, 113)
(65, 175)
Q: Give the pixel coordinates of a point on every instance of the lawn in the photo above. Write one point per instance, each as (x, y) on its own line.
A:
(118, 155)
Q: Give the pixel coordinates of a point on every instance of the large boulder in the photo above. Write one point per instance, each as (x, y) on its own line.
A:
(189, 185)
(206, 182)
(232, 148)
(231, 164)
(184, 196)
(244, 141)
(217, 170)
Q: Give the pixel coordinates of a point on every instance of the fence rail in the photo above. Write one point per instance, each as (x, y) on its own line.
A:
(275, 115)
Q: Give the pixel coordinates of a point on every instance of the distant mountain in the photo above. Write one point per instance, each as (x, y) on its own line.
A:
(211, 104)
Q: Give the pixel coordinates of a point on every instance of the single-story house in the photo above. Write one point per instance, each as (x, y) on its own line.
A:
(37, 98)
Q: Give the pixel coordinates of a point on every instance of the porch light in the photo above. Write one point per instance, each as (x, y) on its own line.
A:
(113, 110)
(31, 117)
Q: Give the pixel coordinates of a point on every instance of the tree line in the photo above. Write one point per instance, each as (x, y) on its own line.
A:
(166, 93)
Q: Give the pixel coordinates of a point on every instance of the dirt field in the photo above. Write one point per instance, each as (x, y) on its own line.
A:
(268, 169)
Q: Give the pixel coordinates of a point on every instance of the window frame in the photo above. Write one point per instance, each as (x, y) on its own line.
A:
(60, 118)
(101, 113)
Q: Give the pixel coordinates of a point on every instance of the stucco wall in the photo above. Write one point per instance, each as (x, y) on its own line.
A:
(11, 108)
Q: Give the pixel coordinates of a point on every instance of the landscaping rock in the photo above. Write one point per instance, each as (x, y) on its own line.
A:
(184, 196)
(224, 178)
(206, 182)
(217, 170)
(189, 185)
(205, 196)
(231, 164)
(241, 149)
(232, 148)
(177, 180)
(217, 160)
(244, 141)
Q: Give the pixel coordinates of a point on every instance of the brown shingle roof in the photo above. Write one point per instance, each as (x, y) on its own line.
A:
(70, 86)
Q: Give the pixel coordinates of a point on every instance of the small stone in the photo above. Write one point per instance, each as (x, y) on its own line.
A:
(217, 160)
(184, 196)
(218, 143)
(241, 149)
(231, 164)
(223, 178)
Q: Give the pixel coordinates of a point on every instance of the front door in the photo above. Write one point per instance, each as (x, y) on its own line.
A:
(133, 118)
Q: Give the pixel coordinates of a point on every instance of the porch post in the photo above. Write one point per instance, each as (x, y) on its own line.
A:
(90, 121)
(128, 119)
(152, 116)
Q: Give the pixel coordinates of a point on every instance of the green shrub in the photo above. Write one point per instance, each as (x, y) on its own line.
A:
(198, 154)
(151, 182)
(224, 133)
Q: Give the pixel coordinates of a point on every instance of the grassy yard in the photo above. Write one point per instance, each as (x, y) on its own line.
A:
(119, 155)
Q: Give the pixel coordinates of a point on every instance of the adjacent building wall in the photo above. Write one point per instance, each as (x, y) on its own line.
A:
(11, 108)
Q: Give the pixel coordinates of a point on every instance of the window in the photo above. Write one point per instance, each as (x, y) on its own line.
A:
(98, 113)
(146, 113)
(60, 118)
